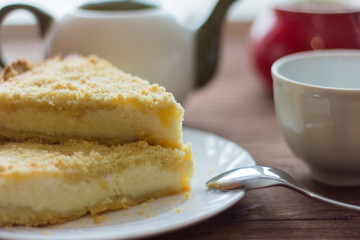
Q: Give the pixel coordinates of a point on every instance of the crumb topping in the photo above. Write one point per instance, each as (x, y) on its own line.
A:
(14, 69)
(74, 158)
(75, 82)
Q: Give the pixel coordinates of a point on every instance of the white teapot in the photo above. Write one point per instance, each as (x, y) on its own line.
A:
(141, 38)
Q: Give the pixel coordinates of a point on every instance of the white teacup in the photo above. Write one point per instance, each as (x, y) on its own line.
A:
(317, 101)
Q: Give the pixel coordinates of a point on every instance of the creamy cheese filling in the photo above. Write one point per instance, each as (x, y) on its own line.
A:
(54, 193)
(122, 123)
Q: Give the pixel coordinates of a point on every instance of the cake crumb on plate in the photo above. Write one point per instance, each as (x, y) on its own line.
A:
(100, 219)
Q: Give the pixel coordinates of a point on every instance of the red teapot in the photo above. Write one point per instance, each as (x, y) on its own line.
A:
(310, 25)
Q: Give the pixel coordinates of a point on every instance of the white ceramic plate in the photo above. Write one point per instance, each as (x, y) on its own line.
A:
(213, 155)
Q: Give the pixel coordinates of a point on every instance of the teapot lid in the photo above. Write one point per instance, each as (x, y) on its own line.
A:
(116, 5)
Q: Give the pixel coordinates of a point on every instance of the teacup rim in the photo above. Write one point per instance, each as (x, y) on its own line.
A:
(312, 54)
(353, 8)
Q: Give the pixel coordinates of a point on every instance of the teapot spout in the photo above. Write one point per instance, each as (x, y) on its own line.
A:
(208, 41)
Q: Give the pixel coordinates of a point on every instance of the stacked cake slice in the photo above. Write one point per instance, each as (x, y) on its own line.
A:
(78, 135)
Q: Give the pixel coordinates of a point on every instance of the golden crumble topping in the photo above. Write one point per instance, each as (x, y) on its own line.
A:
(74, 158)
(15, 68)
(75, 82)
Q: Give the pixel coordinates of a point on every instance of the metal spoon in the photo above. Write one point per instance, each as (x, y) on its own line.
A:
(248, 178)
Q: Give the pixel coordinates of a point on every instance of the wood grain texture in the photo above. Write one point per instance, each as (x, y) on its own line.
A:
(234, 105)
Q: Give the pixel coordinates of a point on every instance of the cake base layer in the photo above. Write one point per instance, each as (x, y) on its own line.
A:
(52, 183)
(30, 217)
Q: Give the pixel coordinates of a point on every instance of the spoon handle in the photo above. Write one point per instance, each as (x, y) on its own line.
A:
(305, 191)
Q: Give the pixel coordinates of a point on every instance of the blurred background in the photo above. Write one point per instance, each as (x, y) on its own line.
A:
(19, 29)
(262, 38)
(243, 11)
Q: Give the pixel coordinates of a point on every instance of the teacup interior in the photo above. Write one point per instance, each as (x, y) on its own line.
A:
(329, 69)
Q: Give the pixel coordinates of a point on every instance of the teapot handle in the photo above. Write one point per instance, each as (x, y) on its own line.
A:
(43, 19)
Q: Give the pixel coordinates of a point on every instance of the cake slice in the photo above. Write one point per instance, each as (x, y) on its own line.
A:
(85, 98)
(78, 135)
(53, 183)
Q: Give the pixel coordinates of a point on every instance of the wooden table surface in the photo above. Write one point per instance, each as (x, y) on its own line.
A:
(235, 105)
